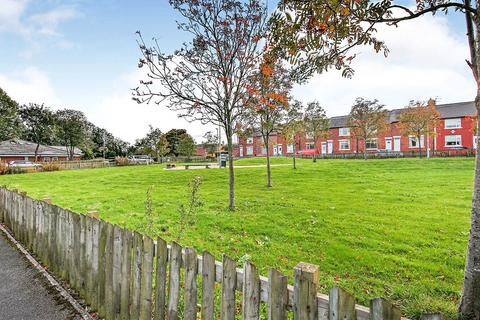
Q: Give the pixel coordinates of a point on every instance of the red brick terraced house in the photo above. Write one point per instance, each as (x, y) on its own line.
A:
(17, 149)
(455, 133)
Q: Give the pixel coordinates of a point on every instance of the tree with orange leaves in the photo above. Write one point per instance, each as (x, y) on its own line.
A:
(418, 120)
(267, 105)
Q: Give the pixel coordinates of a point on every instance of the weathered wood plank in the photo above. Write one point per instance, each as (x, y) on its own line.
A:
(251, 292)
(190, 284)
(94, 276)
(82, 261)
(341, 305)
(117, 270)
(208, 286)
(146, 288)
(102, 243)
(277, 295)
(305, 292)
(109, 294)
(126, 275)
(381, 309)
(229, 282)
(136, 277)
(160, 279)
(174, 281)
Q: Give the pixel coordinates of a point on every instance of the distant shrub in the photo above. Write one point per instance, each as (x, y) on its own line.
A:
(121, 161)
(51, 166)
(3, 168)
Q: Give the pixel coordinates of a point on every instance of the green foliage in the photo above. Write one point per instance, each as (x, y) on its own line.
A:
(188, 212)
(149, 212)
(10, 122)
(186, 145)
(39, 122)
(72, 129)
(173, 137)
(210, 142)
(316, 122)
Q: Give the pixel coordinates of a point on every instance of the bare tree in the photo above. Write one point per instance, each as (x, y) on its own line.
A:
(206, 80)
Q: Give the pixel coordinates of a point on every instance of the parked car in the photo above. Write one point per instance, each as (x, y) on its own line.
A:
(24, 164)
(140, 159)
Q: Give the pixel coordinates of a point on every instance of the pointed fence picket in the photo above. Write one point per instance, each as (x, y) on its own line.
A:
(125, 275)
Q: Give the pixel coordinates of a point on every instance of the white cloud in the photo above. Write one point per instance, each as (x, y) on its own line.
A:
(127, 119)
(29, 85)
(426, 60)
(47, 23)
(10, 14)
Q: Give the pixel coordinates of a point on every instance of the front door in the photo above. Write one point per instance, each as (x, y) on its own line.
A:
(330, 147)
(275, 152)
(324, 148)
(280, 149)
(241, 152)
(388, 144)
(396, 143)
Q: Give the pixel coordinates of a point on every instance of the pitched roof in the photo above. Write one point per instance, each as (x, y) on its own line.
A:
(448, 110)
(17, 147)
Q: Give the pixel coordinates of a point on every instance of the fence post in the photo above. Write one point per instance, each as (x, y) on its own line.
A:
(277, 295)
(146, 279)
(251, 292)
(126, 275)
(305, 292)
(341, 305)
(109, 300)
(208, 286)
(381, 309)
(174, 281)
(136, 276)
(160, 279)
(102, 242)
(190, 284)
(229, 282)
(118, 243)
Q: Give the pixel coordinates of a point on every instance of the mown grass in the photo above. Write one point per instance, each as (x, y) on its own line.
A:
(395, 228)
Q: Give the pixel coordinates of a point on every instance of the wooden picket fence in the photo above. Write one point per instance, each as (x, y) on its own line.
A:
(125, 275)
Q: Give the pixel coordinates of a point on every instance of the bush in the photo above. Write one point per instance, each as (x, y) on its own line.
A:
(121, 161)
(51, 166)
(3, 168)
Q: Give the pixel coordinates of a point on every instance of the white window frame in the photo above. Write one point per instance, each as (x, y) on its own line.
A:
(455, 123)
(458, 138)
(250, 140)
(344, 132)
(249, 151)
(376, 142)
(413, 138)
(343, 141)
(310, 146)
(289, 148)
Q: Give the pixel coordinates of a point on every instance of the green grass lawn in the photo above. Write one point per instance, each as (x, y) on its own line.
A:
(394, 228)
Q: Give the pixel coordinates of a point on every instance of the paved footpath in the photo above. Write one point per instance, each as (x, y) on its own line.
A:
(24, 292)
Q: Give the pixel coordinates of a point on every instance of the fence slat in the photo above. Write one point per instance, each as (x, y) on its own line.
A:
(305, 292)
(174, 281)
(94, 277)
(251, 292)
(190, 284)
(102, 229)
(341, 305)
(126, 275)
(136, 277)
(160, 279)
(117, 270)
(208, 286)
(109, 294)
(146, 279)
(229, 282)
(277, 295)
(381, 309)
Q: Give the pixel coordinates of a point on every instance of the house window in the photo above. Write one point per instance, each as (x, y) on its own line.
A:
(413, 141)
(249, 151)
(264, 151)
(371, 144)
(289, 148)
(344, 132)
(250, 140)
(344, 144)
(453, 123)
(310, 146)
(453, 141)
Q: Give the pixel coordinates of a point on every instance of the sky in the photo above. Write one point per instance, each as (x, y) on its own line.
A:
(82, 54)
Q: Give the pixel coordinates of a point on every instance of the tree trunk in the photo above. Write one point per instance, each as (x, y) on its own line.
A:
(419, 146)
(269, 172)
(36, 152)
(470, 302)
(294, 162)
(365, 153)
(231, 202)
